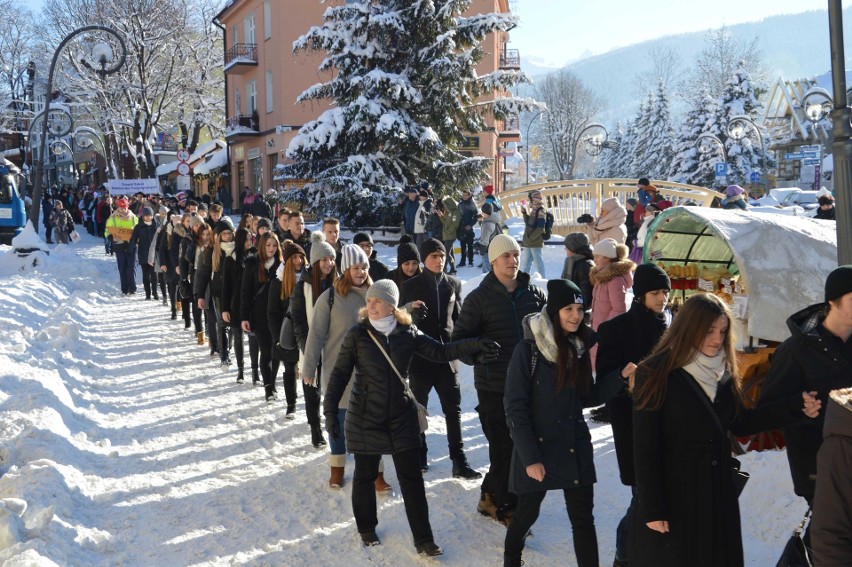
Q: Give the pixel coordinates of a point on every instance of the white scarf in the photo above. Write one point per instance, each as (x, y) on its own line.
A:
(707, 371)
(385, 325)
(227, 247)
(268, 263)
(543, 333)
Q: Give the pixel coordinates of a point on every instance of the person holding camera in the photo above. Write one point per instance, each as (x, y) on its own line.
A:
(535, 218)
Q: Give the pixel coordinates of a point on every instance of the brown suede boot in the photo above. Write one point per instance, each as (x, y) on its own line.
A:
(336, 480)
(200, 336)
(486, 505)
(381, 485)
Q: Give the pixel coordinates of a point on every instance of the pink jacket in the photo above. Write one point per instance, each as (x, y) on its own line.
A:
(609, 294)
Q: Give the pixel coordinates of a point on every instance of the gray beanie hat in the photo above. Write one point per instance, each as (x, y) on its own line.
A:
(385, 290)
(147, 211)
(501, 244)
(352, 254)
(320, 248)
(578, 243)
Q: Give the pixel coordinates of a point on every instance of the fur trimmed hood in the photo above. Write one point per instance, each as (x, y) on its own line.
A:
(618, 268)
(539, 328)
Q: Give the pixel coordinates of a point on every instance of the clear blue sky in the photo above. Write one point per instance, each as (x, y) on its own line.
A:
(559, 31)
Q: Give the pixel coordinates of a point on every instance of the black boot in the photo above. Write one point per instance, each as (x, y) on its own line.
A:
(510, 560)
(240, 377)
(255, 378)
(317, 440)
(461, 469)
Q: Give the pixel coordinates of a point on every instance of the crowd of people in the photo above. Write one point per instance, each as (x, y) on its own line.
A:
(330, 315)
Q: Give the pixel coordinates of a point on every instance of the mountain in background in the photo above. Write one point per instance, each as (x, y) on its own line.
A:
(793, 46)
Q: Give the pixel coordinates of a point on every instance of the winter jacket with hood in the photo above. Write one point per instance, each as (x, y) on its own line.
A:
(381, 419)
(629, 337)
(611, 223)
(492, 311)
(578, 267)
(548, 426)
(488, 229)
(142, 237)
(832, 522)
(812, 359)
(534, 223)
(609, 295)
(450, 220)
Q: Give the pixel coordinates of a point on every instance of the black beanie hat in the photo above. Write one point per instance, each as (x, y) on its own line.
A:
(362, 237)
(578, 243)
(223, 224)
(264, 222)
(487, 208)
(647, 278)
(561, 293)
(431, 245)
(407, 251)
(838, 283)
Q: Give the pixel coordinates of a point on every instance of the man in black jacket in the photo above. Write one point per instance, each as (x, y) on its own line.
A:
(378, 270)
(298, 233)
(435, 300)
(816, 358)
(623, 342)
(495, 310)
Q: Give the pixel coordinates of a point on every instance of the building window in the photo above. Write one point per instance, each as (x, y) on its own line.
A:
(267, 19)
(256, 168)
(237, 102)
(251, 95)
(273, 161)
(235, 39)
(241, 175)
(249, 26)
(269, 104)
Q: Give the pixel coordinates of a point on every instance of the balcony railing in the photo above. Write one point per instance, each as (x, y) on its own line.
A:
(510, 59)
(511, 124)
(241, 54)
(242, 124)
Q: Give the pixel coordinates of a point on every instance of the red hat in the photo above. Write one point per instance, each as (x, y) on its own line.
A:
(121, 202)
(489, 189)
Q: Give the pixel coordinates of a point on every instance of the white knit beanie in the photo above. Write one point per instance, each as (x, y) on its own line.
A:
(609, 248)
(352, 254)
(320, 248)
(501, 244)
(385, 290)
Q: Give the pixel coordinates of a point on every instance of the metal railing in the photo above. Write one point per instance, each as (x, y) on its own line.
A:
(242, 123)
(510, 59)
(568, 199)
(241, 53)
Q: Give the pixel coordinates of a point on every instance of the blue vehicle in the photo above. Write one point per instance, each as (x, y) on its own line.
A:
(13, 214)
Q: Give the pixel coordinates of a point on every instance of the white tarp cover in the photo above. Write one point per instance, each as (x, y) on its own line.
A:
(783, 261)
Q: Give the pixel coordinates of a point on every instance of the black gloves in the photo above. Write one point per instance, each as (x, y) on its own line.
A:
(488, 351)
(419, 314)
(332, 425)
(585, 219)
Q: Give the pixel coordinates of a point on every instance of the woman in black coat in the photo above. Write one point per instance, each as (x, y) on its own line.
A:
(382, 417)
(623, 342)
(168, 255)
(281, 287)
(187, 273)
(548, 384)
(686, 403)
(208, 285)
(254, 298)
(232, 280)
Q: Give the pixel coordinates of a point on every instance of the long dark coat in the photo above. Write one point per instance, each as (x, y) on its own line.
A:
(254, 295)
(628, 337)
(381, 419)
(548, 426)
(683, 475)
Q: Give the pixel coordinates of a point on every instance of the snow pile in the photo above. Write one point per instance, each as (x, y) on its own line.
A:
(124, 444)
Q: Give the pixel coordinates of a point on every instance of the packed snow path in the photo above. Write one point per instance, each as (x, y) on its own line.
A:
(123, 443)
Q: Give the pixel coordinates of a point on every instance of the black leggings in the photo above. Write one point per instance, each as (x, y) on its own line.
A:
(149, 280)
(579, 502)
(239, 352)
(290, 382)
(268, 364)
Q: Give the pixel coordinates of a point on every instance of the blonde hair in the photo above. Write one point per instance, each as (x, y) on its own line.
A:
(402, 316)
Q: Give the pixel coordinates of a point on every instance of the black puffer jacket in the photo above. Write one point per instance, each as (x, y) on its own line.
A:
(254, 295)
(628, 337)
(810, 360)
(232, 281)
(442, 297)
(381, 419)
(491, 311)
(142, 237)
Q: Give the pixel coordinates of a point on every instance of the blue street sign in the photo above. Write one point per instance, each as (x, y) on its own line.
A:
(810, 161)
(810, 154)
(796, 155)
(755, 177)
(721, 169)
(814, 148)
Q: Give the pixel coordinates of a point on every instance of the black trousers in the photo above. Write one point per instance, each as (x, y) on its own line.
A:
(492, 416)
(426, 375)
(210, 326)
(290, 382)
(466, 240)
(172, 289)
(312, 399)
(450, 266)
(239, 352)
(579, 502)
(149, 279)
(186, 307)
(196, 315)
(161, 280)
(268, 365)
(223, 331)
(410, 478)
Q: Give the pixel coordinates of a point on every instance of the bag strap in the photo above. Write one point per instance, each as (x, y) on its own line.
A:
(384, 352)
(801, 527)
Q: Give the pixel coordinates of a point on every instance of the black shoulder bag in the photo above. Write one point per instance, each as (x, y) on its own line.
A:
(738, 477)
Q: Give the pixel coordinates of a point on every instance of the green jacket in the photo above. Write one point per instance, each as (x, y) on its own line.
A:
(451, 220)
(534, 229)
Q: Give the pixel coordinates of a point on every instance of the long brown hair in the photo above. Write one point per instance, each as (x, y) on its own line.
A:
(344, 282)
(571, 370)
(678, 346)
(217, 248)
(288, 282)
(262, 257)
(317, 280)
(199, 235)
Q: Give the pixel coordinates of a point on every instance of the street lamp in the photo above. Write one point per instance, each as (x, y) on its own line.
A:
(539, 113)
(85, 138)
(737, 129)
(596, 140)
(97, 56)
(817, 104)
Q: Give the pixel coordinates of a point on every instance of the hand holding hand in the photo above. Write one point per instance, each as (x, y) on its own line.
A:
(812, 404)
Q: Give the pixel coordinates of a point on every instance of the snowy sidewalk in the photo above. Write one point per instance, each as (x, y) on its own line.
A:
(123, 443)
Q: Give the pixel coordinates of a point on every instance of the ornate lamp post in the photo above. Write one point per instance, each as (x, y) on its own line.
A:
(737, 129)
(98, 57)
(539, 113)
(841, 145)
(595, 137)
(817, 104)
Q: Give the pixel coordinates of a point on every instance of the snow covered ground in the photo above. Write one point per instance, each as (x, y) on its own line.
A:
(123, 443)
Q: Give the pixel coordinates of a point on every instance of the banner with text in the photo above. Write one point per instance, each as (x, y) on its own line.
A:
(133, 186)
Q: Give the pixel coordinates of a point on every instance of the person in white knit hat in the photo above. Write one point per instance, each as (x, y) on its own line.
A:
(495, 310)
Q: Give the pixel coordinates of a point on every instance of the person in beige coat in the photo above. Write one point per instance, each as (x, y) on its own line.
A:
(610, 223)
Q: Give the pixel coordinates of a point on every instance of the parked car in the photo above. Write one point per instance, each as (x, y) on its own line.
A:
(805, 199)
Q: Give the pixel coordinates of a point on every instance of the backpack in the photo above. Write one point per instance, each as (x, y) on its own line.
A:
(548, 226)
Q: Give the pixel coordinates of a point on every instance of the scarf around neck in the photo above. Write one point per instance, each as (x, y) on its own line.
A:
(545, 339)
(708, 371)
(227, 247)
(385, 325)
